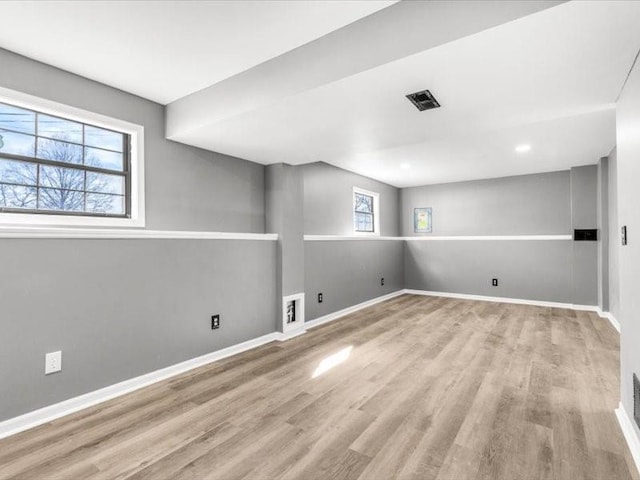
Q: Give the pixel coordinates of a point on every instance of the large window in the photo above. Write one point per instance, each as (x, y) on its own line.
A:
(60, 167)
(54, 165)
(365, 212)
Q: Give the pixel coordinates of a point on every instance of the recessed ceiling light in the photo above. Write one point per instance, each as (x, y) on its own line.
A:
(405, 166)
(523, 148)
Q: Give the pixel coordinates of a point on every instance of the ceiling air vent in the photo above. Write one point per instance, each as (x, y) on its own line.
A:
(423, 100)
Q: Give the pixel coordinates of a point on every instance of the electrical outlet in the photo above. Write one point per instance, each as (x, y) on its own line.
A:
(215, 322)
(382, 282)
(320, 298)
(52, 362)
(494, 282)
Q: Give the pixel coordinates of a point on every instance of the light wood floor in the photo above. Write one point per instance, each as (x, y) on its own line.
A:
(433, 388)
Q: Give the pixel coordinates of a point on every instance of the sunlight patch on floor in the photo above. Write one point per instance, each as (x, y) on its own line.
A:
(332, 361)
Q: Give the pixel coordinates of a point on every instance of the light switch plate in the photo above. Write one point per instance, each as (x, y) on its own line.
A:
(52, 362)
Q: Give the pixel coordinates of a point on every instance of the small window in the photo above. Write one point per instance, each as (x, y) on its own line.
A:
(62, 170)
(365, 212)
(56, 166)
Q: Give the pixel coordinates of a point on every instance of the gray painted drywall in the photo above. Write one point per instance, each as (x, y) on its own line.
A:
(346, 272)
(522, 205)
(628, 173)
(284, 198)
(603, 234)
(541, 204)
(614, 236)
(349, 272)
(585, 273)
(584, 197)
(533, 270)
(328, 201)
(186, 188)
(122, 308)
(584, 214)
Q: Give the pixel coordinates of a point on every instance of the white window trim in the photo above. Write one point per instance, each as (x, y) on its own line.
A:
(376, 212)
(136, 132)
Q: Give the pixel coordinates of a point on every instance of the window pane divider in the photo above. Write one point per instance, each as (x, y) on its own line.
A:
(70, 142)
(53, 163)
(14, 184)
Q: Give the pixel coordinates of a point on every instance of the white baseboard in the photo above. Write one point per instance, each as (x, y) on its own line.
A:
(519, 301)
(284, 336)
(629, 432)
(609, 316)
(38, 417)
(345, 311)
(51, 412)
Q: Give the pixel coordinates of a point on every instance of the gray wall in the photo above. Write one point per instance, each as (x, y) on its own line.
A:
(285, 216)
(628, 173)
(522, 205)
(122, 308)
(614, 236)
(328, 201)
(284, 198)
(584, 214)
(186, 188)
(584, 197)
(116, 308)
(348, 272)
(542, 204)
(532, 270)
(603, 234)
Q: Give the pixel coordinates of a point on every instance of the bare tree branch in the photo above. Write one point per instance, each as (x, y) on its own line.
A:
(61, 188)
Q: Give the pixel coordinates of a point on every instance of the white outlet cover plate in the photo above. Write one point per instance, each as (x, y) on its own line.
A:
(53, 362)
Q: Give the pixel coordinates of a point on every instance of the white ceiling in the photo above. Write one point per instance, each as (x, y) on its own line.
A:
(543, 73)
(549, 79)
(164, 50)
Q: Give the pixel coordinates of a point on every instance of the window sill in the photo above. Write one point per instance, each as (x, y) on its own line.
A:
(42, 220)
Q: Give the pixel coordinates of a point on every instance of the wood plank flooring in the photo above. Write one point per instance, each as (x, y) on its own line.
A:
(420, 388)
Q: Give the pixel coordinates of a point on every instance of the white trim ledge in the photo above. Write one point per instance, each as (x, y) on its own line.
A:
(354, 308)
(491, 237)
(89, 233)
(519, 301)
(52, 412)
(629, 432)
(326, 238)
(329, 238)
